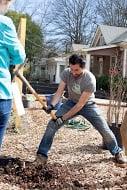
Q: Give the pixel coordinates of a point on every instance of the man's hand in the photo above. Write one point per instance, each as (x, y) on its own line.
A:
(59, 121)
(48, 109)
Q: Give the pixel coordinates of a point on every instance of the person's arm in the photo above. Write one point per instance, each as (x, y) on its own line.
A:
(13, 45)
(80, 104)
(58, 93)
(56, 97)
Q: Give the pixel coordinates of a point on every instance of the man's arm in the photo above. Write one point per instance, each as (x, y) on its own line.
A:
(82, 101)
(58, 93)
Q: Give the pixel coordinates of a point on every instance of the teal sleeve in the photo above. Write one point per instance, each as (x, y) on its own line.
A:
(13, 45)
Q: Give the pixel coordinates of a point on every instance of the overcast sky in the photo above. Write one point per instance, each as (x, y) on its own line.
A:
(21, 5)
(38, 9)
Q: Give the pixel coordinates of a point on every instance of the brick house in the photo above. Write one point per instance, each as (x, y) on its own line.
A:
(102, 53)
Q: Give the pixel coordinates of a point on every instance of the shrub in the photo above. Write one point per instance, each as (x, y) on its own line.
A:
(103, 82)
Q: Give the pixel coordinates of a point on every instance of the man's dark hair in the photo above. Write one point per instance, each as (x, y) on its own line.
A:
(76, 59)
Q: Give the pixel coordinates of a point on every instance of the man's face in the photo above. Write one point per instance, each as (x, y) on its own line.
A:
(76, 70)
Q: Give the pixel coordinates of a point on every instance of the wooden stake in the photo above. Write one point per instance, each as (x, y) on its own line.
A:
(22, 36)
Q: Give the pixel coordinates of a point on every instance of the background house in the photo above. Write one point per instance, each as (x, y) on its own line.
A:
(102, 53)
(49, 69)
(77, 48)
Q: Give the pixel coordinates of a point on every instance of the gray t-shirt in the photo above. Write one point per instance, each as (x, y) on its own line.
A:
(76, 86)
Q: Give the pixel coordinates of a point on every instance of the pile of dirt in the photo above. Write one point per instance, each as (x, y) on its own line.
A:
(32, 176)
(29, 175)
(76, 160)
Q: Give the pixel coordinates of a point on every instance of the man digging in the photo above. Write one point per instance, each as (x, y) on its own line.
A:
(81, 85)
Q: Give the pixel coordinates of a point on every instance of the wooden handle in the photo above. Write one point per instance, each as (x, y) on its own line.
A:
(23, 79)
(18, 69)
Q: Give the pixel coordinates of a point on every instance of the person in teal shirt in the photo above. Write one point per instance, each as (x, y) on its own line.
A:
(11, 53)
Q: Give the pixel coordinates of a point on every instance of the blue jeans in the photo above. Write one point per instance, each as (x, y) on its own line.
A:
(92, 113)
(5, 110)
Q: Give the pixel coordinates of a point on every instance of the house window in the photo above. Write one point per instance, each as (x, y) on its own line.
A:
(113, 61)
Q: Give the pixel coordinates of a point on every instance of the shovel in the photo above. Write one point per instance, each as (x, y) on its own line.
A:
(23, 79)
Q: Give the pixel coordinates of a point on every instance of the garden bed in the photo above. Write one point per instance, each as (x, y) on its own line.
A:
(76, 160)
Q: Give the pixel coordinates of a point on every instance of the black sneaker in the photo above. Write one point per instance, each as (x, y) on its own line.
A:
(121, 159)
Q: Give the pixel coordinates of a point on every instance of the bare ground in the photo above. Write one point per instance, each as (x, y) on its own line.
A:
(76, 160)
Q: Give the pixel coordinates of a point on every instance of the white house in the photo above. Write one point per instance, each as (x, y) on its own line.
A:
(49, 69)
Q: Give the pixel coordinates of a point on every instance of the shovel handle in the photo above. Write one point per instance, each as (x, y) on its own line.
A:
(18, 69)
(23, 79)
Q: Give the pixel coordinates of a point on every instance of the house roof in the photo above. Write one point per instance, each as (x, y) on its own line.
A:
(78, 47)
(111, 33)
(121, 38)
(99, 48)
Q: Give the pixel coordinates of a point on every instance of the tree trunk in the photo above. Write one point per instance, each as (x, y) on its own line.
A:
(123, 130)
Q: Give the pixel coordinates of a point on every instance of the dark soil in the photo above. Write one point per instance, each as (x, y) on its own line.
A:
(76, 160)
(51, 176)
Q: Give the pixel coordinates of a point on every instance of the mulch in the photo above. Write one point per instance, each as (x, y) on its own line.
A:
(76, 160)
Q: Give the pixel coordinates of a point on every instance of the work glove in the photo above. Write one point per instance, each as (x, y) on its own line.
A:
(59, 121)
(48, 109)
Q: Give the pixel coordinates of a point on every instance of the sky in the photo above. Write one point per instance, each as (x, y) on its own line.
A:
(21, 5)
(39, 9)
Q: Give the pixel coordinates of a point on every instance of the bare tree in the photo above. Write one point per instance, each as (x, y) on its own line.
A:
(72, 20)
(39, 10)
(63, 22)
(112, 12)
